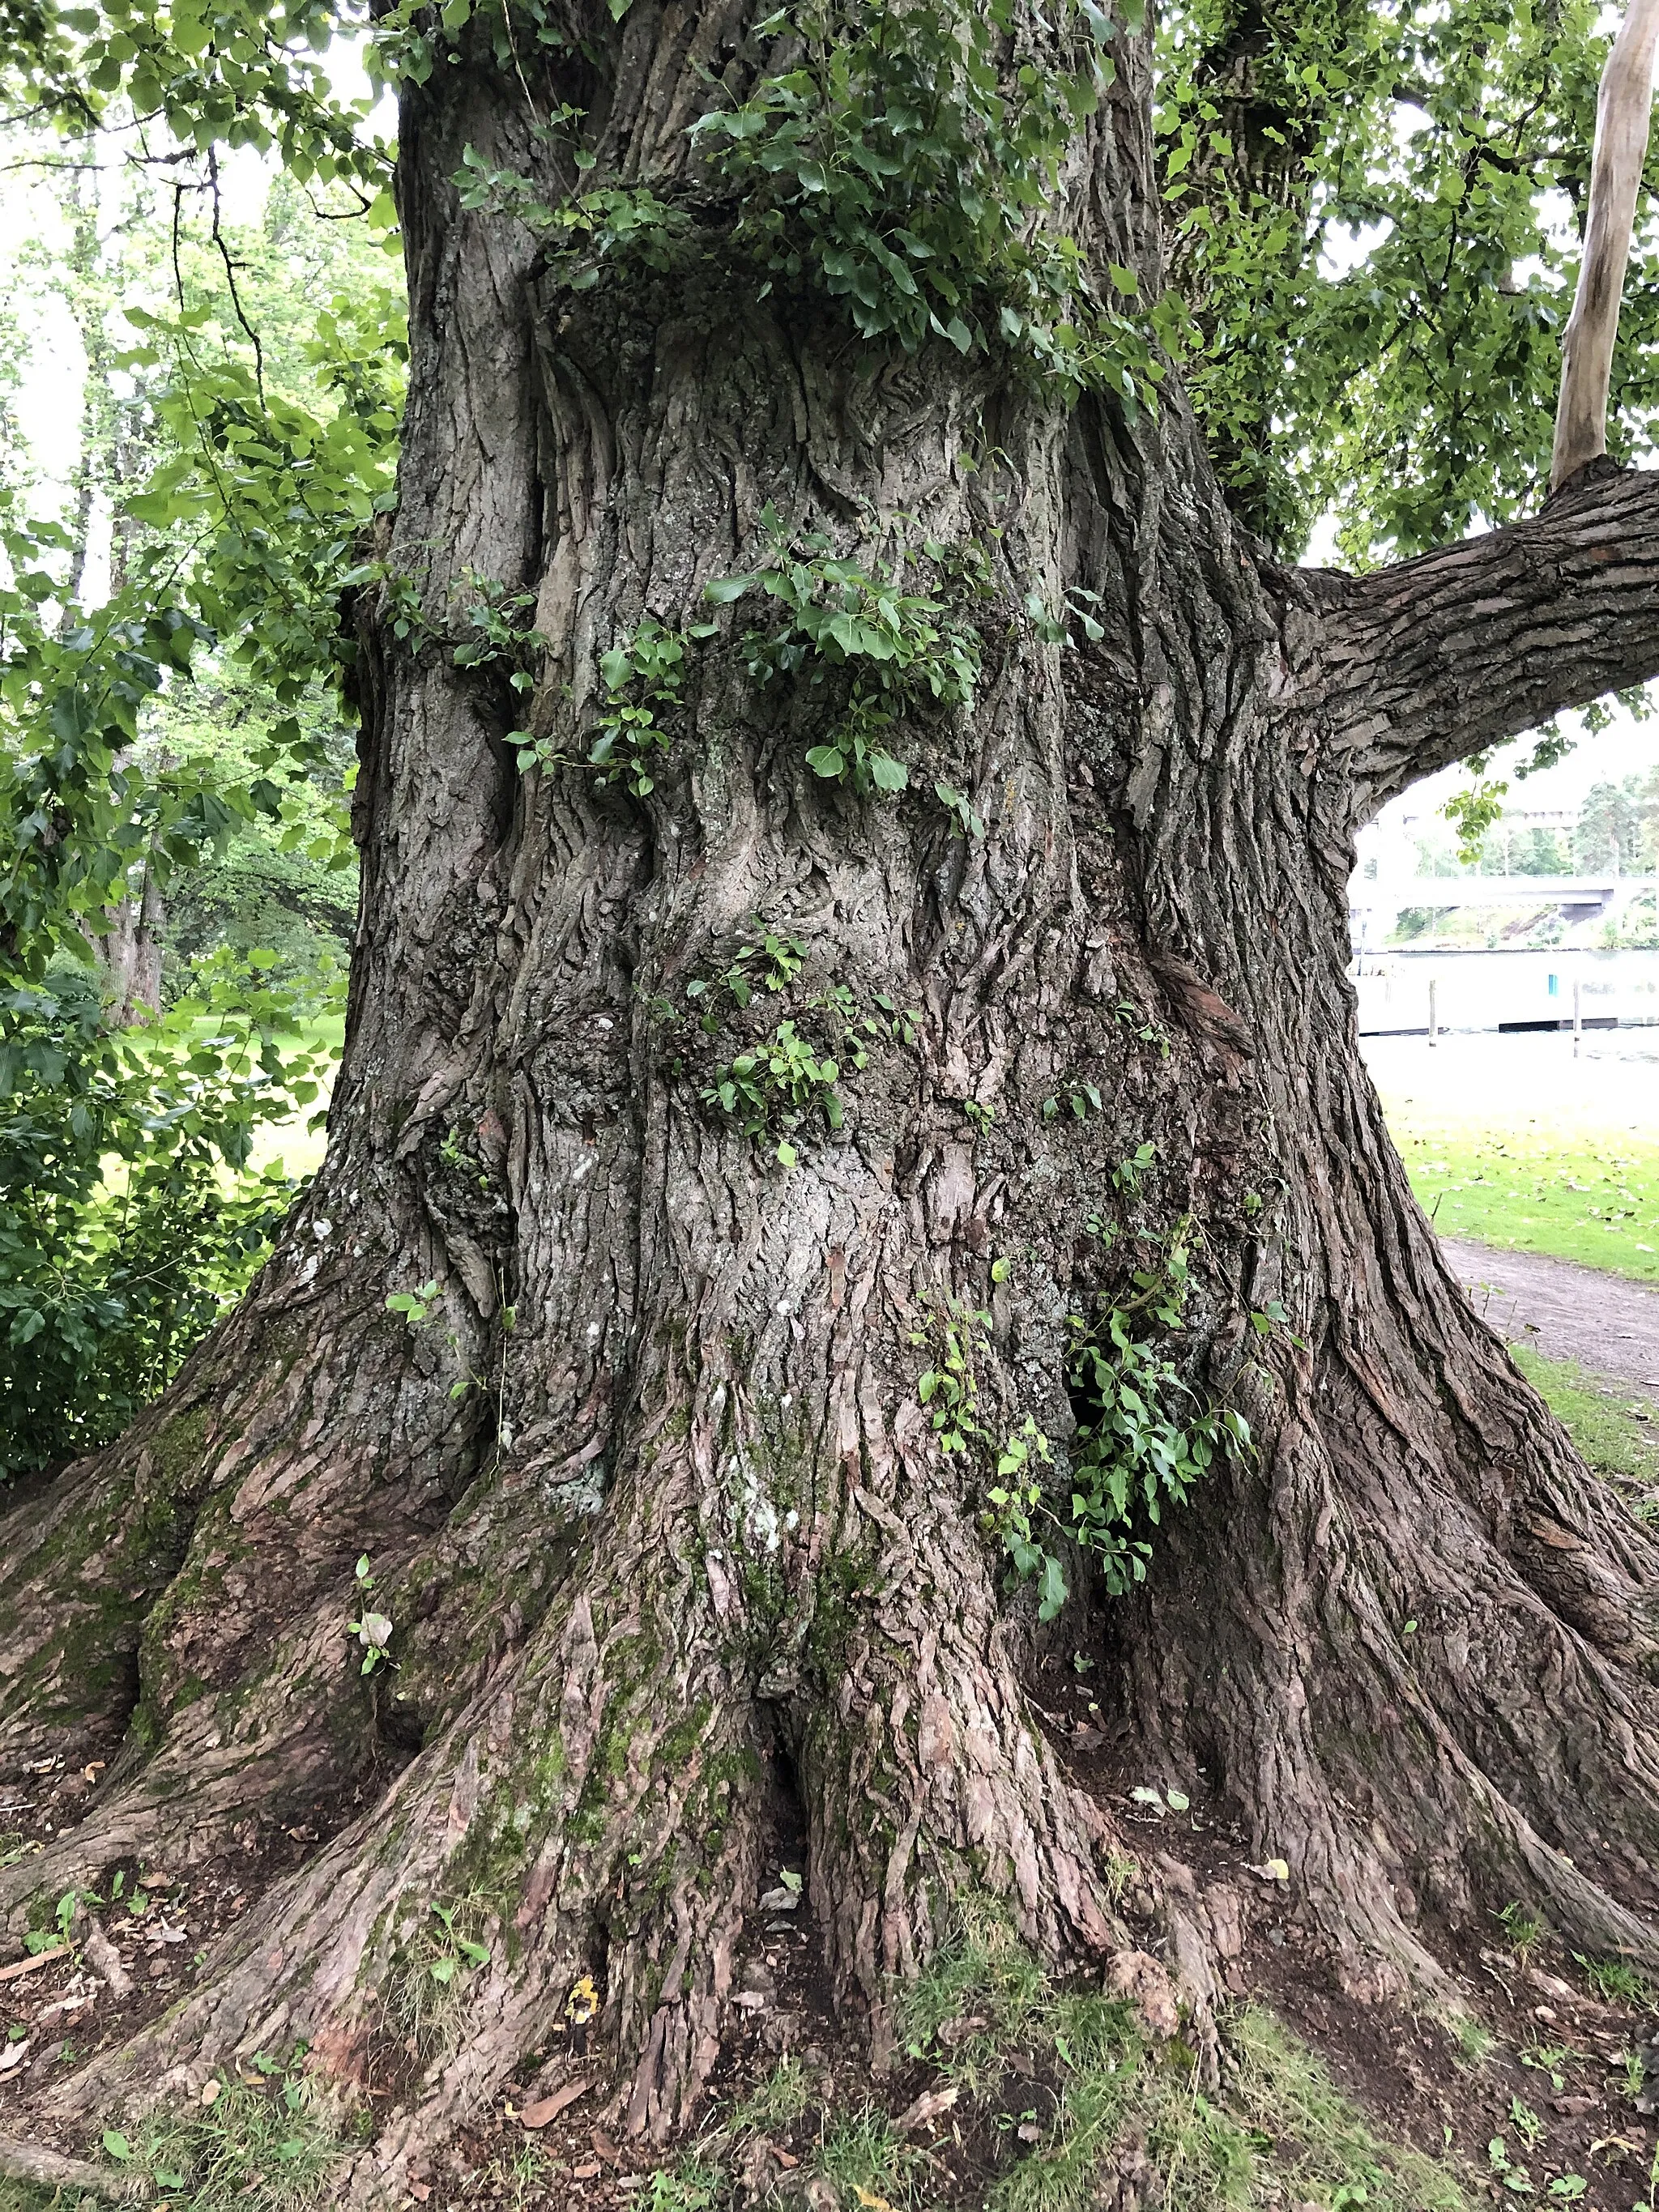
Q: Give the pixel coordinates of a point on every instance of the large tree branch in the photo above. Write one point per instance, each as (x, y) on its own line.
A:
(1426, 663)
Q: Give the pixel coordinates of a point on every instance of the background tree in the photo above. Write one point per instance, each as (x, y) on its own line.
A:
(850, 1093)
(132, 1212)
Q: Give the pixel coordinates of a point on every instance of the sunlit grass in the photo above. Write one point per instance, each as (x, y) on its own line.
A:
(1617, 1434)
(1581, 1197)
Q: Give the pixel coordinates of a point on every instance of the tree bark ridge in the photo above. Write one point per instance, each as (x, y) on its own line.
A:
(1419, 664)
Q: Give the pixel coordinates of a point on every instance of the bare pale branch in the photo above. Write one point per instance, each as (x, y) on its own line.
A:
(1622, 113)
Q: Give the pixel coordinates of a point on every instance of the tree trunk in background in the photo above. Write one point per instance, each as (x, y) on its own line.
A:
(129, 955)
(685, 1542)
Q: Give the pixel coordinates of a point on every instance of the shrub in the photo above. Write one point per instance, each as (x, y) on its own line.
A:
(129, 1219)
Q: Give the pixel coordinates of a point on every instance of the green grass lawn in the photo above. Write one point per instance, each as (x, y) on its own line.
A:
(1618, 1435)
(1577, 1195)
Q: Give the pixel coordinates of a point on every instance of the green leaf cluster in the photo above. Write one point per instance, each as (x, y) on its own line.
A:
(1148, 1439)
(129, 1216)
(774, 1085)
(1143, 1436)
(643, 676)
(247, 525)
(1372, 212)
(586, 230)
(201, 73)
(948, 1387)
(768, 961)
(867, 636)
(902, 168)
(1015, 1500)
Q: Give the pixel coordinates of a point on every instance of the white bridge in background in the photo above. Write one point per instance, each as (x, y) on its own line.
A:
(1580, 902)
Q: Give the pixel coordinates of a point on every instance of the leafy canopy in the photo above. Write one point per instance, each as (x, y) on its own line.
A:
(1372, 209)
(1369, 210)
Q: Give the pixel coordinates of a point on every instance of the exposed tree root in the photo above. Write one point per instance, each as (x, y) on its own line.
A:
(1428, 1685)
(50, 2169)
(598, 1807)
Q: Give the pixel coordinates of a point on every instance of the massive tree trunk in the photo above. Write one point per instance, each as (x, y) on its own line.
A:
(650, 1498)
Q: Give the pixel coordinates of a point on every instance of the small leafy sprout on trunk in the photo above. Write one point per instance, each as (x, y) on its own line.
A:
(496, 619)
(644, 675)
(956, 1333)
(1143, 1436)
(416, 1305)
(960, 808)
(855, 634)
(1075, 607)
(1084, 1098)
(626, 223)
(770, 961)
(1014, 1501)
(420, 1304)
(457, 1950)
(372, 1630)
(1147, 1030)
(774, 1085)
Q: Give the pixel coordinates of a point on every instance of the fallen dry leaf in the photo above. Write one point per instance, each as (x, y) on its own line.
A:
(106, 1961)
(13, 2055)
(928, 2107)
(19, 1966)
(1139, 1977)
(549, 2108)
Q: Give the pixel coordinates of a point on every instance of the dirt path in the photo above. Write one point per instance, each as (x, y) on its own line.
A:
(1563, 1311)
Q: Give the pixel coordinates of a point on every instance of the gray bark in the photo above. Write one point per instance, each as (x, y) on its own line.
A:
(686, 1540)
(1624, 109)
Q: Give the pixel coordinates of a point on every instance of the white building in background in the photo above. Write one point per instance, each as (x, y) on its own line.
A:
(1405, 989)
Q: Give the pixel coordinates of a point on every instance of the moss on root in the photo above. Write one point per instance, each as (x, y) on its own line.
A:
(1110, 2113)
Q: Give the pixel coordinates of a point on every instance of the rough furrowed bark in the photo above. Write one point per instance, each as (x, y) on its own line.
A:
(652, 1497)
(599, 1809)
(1430, 1681)
(174, 1605)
